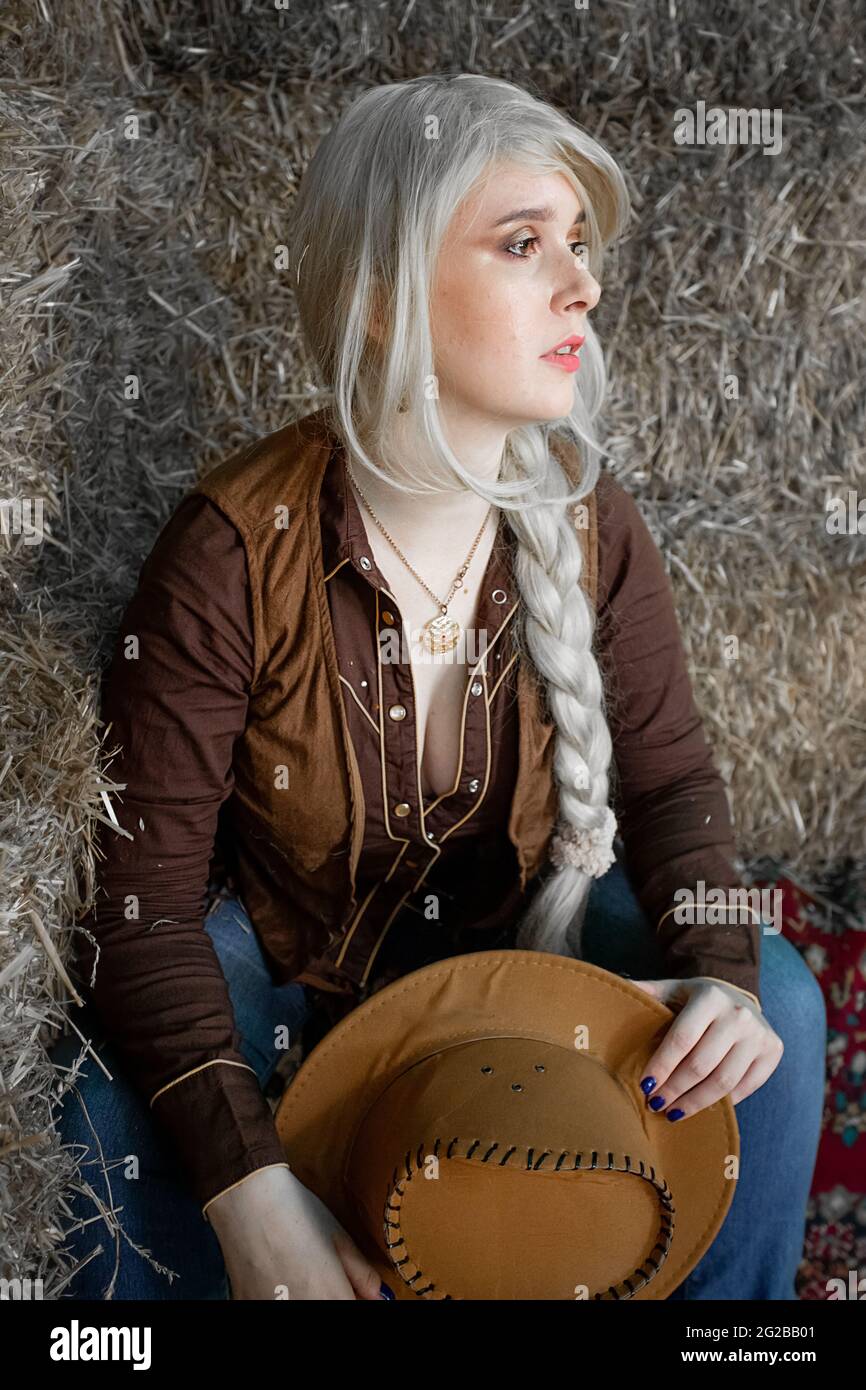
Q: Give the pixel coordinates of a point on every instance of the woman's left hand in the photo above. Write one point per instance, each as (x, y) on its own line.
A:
(719, 1044)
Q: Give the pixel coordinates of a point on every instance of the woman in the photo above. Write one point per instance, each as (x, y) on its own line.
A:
(388, 802)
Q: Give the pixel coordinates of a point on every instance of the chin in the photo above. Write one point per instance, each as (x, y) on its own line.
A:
(538, 409)
(543, 410)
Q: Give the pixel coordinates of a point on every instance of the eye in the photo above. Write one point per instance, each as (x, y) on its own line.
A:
(582, 248)
(524, 241)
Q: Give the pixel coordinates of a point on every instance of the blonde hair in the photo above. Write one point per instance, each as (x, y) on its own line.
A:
(373, 206)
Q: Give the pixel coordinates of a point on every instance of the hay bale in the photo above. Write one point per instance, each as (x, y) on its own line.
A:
(154, 257)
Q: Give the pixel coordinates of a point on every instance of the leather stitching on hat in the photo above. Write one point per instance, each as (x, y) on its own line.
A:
(625, 1289)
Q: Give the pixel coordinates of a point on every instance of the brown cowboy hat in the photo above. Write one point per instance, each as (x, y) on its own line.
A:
(478, 1128)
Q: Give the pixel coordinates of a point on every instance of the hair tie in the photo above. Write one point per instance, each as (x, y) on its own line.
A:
(589, 850)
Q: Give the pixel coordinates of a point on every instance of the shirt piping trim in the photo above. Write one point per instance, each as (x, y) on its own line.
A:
(374, 952)
(472, 674)
(233, 1185)
(332, 572)
(217, 1061)
(748, 907)
(718, 979)
(404, 843)
(502, 674)
(488, 763)
(364, 711)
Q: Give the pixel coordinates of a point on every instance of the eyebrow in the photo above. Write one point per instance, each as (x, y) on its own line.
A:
(544, 214)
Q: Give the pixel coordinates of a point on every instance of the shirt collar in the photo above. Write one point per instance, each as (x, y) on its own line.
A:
(344, 537)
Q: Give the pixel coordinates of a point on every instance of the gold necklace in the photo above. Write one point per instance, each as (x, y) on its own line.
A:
(439, 634)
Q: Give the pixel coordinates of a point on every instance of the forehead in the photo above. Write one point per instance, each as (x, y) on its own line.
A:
(509, 188)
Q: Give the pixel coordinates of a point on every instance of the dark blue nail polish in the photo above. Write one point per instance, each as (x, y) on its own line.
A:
(385, 1292)
(647, 1084)
(657, 1102)
(676, 1114)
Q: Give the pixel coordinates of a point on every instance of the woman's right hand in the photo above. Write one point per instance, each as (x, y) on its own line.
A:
(279, 1240)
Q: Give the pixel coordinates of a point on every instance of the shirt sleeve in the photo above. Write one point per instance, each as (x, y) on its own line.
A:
(175, 697)
(668, 795)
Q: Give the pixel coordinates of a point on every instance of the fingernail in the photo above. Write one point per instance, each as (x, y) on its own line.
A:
(657, 1102)
(647, 1084)
(676, 1114)
(385, 1292)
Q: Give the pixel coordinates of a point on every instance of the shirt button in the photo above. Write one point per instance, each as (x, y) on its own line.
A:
(387, 617)
(397, 712)
(476, 687)
(474, 784)
(503, 597)
(402, 808)
(430, 835)
(364, 563)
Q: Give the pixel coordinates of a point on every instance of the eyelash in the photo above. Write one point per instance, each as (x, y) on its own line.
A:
(530, 240)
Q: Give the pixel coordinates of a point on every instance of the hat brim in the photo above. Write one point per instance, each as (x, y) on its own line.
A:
(502, 994)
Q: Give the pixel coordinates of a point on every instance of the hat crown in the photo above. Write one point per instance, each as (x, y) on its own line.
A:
(515, 1091)
(556, 1114)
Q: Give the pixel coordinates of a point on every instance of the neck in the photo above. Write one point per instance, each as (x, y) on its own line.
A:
(481, 444)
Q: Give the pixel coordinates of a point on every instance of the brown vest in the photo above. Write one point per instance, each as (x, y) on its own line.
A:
(297, 809)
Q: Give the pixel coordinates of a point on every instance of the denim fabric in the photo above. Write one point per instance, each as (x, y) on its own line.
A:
(760, 1244)
(157, 1210)
(754, 1256)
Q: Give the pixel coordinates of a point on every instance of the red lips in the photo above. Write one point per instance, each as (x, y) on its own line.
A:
(575, 341)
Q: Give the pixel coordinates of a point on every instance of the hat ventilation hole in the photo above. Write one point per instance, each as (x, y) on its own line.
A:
(625, 1289)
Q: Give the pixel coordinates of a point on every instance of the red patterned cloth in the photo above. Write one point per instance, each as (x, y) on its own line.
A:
(828, 927)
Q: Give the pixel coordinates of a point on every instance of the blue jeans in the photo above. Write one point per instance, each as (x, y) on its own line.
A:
(754, 1256)
(759, 1247)
(159, 1210)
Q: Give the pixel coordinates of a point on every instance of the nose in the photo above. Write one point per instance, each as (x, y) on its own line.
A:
(581, 290)
(586, 293)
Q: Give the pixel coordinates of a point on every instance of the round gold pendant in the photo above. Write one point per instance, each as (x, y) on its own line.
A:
(440, 634)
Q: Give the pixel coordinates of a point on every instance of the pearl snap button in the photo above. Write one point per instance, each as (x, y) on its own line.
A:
(476, 687)
(504, 596)
(397, 712)
(474, 784)
(430, 835)
(402, 809)
(364, 563)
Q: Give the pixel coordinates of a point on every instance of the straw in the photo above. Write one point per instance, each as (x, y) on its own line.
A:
(151, 259)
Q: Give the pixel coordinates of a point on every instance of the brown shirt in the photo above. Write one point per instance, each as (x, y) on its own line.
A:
(443, 875)
(177, 711)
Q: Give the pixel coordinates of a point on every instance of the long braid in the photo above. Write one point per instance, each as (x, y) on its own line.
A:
(555, 629)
